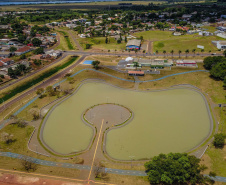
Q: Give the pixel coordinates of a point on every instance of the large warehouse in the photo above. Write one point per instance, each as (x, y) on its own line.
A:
(133, 44)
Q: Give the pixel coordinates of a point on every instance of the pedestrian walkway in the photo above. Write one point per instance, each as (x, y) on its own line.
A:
(85, 167)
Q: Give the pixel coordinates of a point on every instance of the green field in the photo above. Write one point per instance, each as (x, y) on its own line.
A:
(98, 43)
(189, 123)
(164, 40)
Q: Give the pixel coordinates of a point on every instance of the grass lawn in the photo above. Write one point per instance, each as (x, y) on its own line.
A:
(211, 29)
(164, 40)
(98, 43)
(185, 42)
(70, 45)
(155, 35)
(198, 79)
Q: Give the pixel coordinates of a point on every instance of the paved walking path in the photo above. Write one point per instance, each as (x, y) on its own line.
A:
(85, 167)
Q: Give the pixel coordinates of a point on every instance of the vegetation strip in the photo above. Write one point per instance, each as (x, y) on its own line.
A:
(70, 46)
(32, 82)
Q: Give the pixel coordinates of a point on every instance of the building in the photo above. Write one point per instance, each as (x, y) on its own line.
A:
(6, 61)
(136, 73)
(23, 50)
(186, 63)
(133, 44)
(220, 44)
(222, 35)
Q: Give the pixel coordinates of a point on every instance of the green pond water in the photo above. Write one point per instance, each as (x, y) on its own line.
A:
(164, 121)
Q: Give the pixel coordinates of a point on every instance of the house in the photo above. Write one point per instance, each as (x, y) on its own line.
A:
(7, 61)
(23, 50)
(54, 53)
(133, 44)
(220, 44)
(5, 54)
(186, 63)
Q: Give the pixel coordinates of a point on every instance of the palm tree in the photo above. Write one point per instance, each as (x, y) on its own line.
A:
(172, 52)
(209, 51)
(194, 51)
(179, 52)
(187, 51)
(164, 51)
(157, 52)
(202, 50)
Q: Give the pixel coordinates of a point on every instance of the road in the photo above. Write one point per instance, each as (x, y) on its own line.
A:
(34, 72)
(42, 85)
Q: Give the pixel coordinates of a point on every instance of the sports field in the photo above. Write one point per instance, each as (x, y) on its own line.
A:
(175, 120)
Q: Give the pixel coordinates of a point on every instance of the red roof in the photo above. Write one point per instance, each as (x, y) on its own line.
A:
(23, 49)
(136, 72)
(1, 64)
(6, 60)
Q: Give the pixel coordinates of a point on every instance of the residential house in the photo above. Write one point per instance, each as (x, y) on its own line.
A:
(6, 61)
(23, 50)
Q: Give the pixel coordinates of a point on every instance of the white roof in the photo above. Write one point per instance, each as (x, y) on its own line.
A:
(129, 59)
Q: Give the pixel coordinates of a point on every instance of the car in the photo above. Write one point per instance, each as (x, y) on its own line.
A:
(213, 54)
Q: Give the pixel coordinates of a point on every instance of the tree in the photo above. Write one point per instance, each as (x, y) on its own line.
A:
(88, 46)
(219, 140)
(164, 52)
(106, 40)
(12, 49)
(172, 52)
(95, 64)
(136, 65)
(7, 138)
(218, 71)
(50, 91)
(125, 39)
(29, 164)
(202, 50)
(187, 51)
(157, 52)
(22, 57)
(224, 84)
(40, 91)
(193, 51)
(36, 42)
(179, 52)
(11, 73)
(224, 53)
(144, 52)
(209, 62)
(175, 168)
(118, 41)
(39, 51)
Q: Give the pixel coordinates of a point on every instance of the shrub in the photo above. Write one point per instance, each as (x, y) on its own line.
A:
(219, 140)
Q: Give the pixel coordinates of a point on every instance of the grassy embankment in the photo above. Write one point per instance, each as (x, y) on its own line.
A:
(67, 39)
(19, 145)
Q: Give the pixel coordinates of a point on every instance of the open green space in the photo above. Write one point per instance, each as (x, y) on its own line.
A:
(98, 43)
(188, 126)
(165, 40)
(67, 39)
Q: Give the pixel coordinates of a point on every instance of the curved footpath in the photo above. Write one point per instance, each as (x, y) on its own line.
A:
(86, 167)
